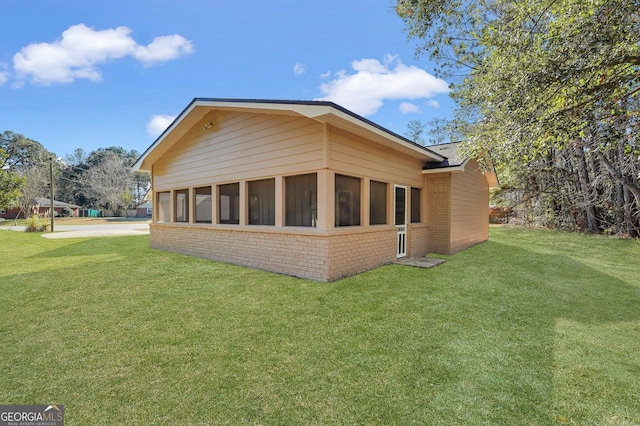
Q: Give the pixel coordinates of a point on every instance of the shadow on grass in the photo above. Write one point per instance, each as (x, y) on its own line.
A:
(495, 355)
(473, 341)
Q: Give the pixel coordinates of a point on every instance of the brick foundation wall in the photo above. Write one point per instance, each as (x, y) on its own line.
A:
(351, 254)
(311, 254)
(418, 241)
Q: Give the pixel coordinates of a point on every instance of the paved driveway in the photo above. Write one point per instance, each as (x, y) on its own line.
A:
(102, 230)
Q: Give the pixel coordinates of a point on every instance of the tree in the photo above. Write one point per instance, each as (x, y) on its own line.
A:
(10, 183)
(415, 132)
(108, 179)
(29, 160)
(438, 131)
(23, 152)
(104, 178)
(550, 87)
(436, 128)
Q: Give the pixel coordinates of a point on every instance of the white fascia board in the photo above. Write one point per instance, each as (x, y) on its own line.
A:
(138, 164)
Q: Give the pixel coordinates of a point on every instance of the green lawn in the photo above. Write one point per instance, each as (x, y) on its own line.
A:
(532, 328)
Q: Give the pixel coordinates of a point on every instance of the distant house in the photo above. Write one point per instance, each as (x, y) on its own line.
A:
(308, 189)
(144, 209)
(40, 206)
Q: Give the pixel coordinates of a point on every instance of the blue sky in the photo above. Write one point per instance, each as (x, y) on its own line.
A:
(87, 74)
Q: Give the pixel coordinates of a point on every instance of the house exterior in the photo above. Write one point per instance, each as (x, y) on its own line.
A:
(40, 206)
(144, 209)
(308, 189)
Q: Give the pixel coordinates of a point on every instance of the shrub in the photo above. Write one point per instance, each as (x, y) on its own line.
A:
(34, 224)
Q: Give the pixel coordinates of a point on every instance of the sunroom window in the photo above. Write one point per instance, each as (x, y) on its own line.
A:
(262, 202)
(203, 204)
(182, 205)
(301, 200)
(164, 206)
(378, 203)
(229, 202)
(415, 205)
(347, 198)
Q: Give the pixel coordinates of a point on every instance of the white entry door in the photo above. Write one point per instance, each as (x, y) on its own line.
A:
(400, 218)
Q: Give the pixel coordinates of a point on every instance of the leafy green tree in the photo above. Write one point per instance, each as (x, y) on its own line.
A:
(550, 89)
(22, 152)
(10, 183)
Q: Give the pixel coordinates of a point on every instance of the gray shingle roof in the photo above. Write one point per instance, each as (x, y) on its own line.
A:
(448, 150)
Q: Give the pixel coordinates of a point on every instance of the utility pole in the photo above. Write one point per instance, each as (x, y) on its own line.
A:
(52, 211)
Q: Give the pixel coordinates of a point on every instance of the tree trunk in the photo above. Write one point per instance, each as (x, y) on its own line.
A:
(585, 186)
(628, 183)
(631, 222)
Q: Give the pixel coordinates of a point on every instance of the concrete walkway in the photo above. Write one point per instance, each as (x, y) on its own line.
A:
(83, 231)
(420, 262)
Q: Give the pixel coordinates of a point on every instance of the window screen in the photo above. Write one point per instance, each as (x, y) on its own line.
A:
(301, 200)
(203, 204)
(415, 205)
(262, 202)
(164, 209)
(378, 203)
(347, 201)
(182, 205)
(229, 203)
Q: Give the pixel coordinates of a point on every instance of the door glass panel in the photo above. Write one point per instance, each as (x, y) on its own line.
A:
(401, 196)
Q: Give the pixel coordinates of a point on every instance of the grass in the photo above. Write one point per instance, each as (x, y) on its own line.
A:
(534, 327)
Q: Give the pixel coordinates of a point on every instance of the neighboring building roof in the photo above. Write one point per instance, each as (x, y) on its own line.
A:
(46, 202)
(450, 152)
(453, 162)
(322, 111)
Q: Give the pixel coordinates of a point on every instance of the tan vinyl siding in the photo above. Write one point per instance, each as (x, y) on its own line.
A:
(469, 208)
(355, 156)
(241, 146)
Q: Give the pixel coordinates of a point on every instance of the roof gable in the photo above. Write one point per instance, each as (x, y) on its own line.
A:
(321, 111)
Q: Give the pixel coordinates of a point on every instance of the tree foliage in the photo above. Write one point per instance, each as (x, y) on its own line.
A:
(100, 179)
(104, 178)
(10, 183)
(29, 160)
(22, 152)
(550, 89)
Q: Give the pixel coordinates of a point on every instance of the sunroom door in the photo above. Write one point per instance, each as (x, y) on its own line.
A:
(400, 215)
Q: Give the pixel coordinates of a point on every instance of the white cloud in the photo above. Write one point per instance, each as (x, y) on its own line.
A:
(299, 69)
(79, 51)
(365, 91)
(162, 49)
(433, 103)
(409, 108)
(4, 76)
(325, 74)
(159, 124)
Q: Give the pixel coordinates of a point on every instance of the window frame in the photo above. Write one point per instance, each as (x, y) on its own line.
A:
(184, 218)
(301, 209)
(372, 199)
(261, 202)
(416, 216)
(348, 200)
(163, 213)
(196, 194)
(230, 202)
